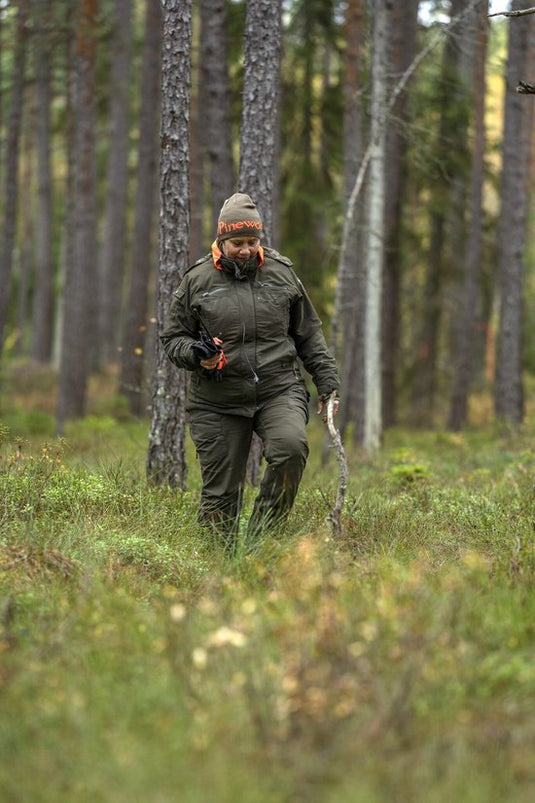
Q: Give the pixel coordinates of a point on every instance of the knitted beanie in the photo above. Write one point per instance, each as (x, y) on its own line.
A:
(239, 217)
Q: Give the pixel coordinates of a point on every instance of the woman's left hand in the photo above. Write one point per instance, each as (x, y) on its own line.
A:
(322, 405)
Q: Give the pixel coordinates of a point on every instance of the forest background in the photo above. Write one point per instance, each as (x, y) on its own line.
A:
(80, 117)
(393, 659)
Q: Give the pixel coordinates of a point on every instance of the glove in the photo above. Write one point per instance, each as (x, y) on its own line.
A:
(205, 348)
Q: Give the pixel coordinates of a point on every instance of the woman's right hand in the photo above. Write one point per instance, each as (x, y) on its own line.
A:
(211, 362)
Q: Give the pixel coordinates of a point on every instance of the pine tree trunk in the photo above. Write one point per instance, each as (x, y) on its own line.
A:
(258, 144)
(67, 254)
(135, 328)
(509, 391)
(348, 318)
(198, 162)
(402, 51)
(261, 97)
(467, 334)
(12, 148)
(166, 460)
(78, 318)
(43, 301)
(217, 107)
(111, 269)
(443, 209)
(26, 249)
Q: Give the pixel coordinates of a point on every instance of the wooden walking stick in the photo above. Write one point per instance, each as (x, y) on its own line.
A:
(335, 515)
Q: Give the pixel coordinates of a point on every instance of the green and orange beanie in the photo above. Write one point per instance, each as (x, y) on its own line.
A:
(239, 217)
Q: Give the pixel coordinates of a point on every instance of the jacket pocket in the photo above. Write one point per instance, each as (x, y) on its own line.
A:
(300, 397)
(272, 309)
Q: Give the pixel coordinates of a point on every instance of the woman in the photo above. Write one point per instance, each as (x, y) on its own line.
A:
(239, 322)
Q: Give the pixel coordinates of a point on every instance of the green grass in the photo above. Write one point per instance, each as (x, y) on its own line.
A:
(139, 663)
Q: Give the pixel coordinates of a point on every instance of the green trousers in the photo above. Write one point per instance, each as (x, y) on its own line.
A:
(223, 441)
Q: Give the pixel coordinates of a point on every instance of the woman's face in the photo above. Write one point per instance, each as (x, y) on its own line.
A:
(240, 249)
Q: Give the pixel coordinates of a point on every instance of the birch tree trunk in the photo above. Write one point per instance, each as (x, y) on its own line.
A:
(258, 143)
(515, 187)
(375, 235)
(43, 300)
(12, 148)
(78, 318)
(111, 268)
(135, 325)
(166, 461)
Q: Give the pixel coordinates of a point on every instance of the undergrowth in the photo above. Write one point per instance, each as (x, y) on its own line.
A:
(139, 662)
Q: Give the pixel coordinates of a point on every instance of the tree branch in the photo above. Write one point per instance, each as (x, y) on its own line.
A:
(349, 215)
(524, 88)
(523, 12)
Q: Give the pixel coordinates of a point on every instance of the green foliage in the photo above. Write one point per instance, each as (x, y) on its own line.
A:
(405, 470)
(32, 422)
(395, 664)
(312, 130)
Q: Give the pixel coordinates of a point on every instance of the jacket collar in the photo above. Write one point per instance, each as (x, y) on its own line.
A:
(216, 256)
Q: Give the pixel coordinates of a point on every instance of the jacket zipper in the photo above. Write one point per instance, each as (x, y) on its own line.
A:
(253, 368)
(238, 287)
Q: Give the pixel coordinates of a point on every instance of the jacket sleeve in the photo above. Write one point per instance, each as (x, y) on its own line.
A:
(181, 330)
(306, 330)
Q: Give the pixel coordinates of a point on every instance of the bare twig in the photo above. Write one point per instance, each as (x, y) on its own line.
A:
(524, 88)
(523, 12)
(335, 515)
(349, 215)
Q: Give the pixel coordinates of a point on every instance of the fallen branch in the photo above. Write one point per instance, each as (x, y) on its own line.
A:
(335, 515)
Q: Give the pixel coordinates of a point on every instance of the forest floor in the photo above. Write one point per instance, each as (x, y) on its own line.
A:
(140, 663)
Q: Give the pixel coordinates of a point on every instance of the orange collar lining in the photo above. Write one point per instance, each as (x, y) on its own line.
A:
(216, 255)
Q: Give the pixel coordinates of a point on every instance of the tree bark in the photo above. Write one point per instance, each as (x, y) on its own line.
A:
(43, 300)
(451, 140)
(258, 143)
(402, 50)
(261, 97)
(67, 253)
(12, 148)
(348, 318)
(135, 326)
(217, 103)
(375, 235)
(509, 390)
(467, 334)
(111, 269)
(198, 161)
(78, 319)
(166, 460)
(26, 249)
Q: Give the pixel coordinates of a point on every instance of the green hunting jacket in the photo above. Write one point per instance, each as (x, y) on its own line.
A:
(266, 322)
